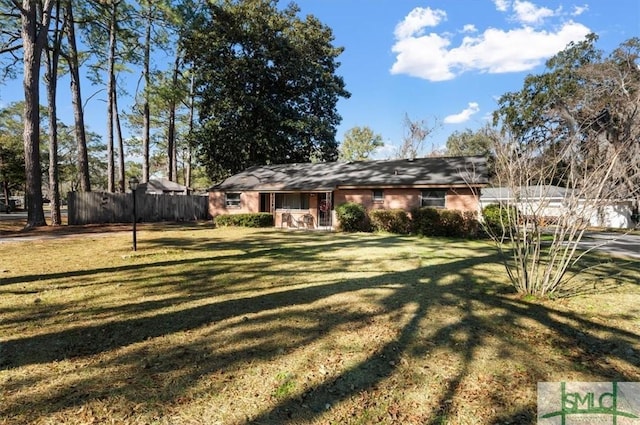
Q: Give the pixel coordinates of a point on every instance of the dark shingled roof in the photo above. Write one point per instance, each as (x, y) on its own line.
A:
(327, 176)
(162, 185)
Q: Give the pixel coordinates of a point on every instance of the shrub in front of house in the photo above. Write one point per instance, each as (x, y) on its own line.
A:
(500, 220)
(451, 223)
(393, 221)
(352, 217)
(244, 220)
(471, 224)
(425, 221)
(429, 221)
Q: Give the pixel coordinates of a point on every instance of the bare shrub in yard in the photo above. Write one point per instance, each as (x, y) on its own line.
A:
(575, 127)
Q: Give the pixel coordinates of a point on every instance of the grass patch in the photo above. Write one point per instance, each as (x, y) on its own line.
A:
(241, 326)
(286, 385)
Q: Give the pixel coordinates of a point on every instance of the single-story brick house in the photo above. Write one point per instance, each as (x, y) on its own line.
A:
(304, 195)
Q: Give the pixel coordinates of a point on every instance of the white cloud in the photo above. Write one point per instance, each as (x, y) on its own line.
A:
(434, 57)
(502, 5)
(498, 51)
(469, 28)
(386, 151)
(463, 116)
(529, 13)
(579, 10)
(424, 57)
(417, 20)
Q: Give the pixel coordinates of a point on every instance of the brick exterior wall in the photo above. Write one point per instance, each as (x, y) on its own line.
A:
(462, 199)
(405, 199)
(249, 203)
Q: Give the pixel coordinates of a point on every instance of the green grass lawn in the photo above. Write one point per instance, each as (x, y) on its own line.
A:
(237, 326)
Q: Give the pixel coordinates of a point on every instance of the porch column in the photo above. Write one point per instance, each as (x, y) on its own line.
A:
(329, 208)
(272, 206)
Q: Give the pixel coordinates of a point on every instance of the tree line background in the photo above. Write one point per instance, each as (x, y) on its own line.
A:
(247, 82)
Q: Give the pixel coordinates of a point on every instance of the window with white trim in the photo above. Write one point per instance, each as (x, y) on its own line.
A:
(433, 198)
(378, 195)
(232, 199)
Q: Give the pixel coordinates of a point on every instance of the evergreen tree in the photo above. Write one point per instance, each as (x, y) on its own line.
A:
(267, 85)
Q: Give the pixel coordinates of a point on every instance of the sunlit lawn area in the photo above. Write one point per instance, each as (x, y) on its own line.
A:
(237, 326)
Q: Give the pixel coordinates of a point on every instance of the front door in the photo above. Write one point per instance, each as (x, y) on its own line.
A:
(324, 209)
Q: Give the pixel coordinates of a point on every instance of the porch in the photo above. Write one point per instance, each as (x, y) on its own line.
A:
(302, 220)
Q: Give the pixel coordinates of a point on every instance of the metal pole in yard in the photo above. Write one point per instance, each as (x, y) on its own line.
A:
(133, 185)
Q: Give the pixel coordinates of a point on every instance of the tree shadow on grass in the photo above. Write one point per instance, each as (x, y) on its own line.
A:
(237, 326)
(466, 336)
(90, 340)
(263, 244)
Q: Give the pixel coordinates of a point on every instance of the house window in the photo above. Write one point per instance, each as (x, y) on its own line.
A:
(232, 199)
(292, 201)
(378, 195)
(433, 198)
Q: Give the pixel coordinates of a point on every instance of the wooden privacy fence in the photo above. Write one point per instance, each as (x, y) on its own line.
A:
(103, 207)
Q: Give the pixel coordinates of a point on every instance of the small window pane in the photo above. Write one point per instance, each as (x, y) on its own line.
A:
(378, 195)
(233, 200)
(433, 198)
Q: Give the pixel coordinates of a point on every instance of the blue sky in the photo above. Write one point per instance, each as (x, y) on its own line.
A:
(447, 61)
(443, 61)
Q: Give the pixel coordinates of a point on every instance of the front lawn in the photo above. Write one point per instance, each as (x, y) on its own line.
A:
(238, 326)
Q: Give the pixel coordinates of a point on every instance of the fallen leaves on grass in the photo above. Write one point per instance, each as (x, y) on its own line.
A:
(232, 326)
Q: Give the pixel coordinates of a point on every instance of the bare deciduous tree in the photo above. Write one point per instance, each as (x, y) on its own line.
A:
(415, 133)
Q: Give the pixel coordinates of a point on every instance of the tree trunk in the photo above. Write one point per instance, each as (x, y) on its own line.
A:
(146, 113)
(111, 92)
(121, 170)
(5, 187)
(172, 161)
(51, 78)
(187, 167)
(76, 101)
(34, 36)
(54, 186)
(187, 178)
